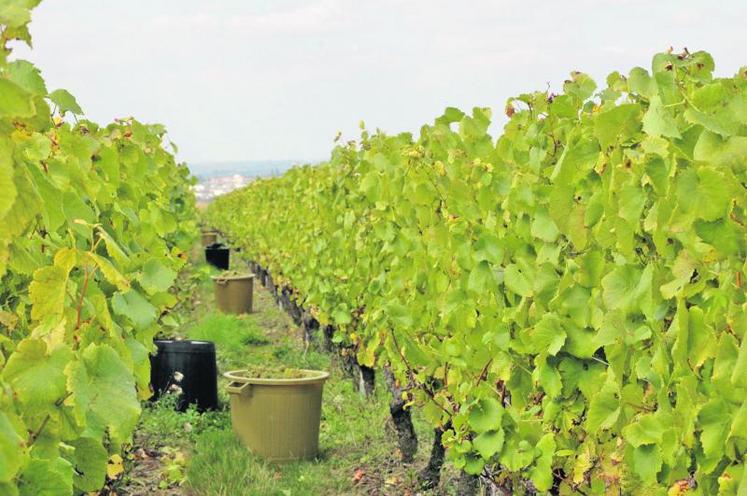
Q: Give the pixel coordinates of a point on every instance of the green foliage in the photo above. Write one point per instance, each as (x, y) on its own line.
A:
(583, 274)
(94, 225)
(231, 334)
(164, 425)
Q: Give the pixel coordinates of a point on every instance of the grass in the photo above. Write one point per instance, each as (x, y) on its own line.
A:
(228, 331)
(358, 450)
(354, 436)
(232, 336)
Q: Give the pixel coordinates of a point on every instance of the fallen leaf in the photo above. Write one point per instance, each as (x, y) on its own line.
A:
(140, 454)
(358, 474)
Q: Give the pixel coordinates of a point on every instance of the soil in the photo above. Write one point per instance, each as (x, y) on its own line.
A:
(143, 473)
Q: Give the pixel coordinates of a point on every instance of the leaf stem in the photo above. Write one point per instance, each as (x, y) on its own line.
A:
(82, 295)
(411, 373)
(35, 435)
(484, 372)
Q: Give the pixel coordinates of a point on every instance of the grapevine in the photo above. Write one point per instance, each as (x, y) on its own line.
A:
(567, 299)
(94, 225)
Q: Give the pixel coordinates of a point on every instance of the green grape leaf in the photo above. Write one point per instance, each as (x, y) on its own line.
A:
(617, 124)
(647, 463)
(113, 248)
(37, 148)
(35, 373)
(43, 477)
(544, 228)
(486, 415)
(541, 474)
(739, 426)
(714, 194)
(65, 102)
(110, 272)
(547, 335)
(12, 449)
(489, 443)
(733, 481)
(103, 393)
(75, 208)
(90, 459)
(715, 423)
(580, 85)
(473, 464)
(49, 287)
(517, 280)
(713, 149)
(16, 13)
(562, 106)
(14, 100)
(26, 76)
(648, 429)
(604, 409)
(135, 307)
(450, 116)
(623, 287)
(517, 453)
(641, 82)
(739, 375)
(487, 247)
(658, 121)
(481, 279)
(7, 186)
(548, 378)
(721, 234)
(342, 317)
(52, 208)
(156, 277)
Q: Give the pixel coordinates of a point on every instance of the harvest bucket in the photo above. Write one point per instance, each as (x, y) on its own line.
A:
(187, 367)
(277, 419)
(217, 255)
(233, 293)
(209, 238)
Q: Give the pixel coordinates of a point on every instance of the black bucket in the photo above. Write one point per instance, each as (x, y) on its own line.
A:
(217, 256)
(188, 366)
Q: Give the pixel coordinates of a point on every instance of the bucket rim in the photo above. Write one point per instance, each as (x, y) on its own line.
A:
(177, 340)
(190, 346)
(237, 277)
(313, 377)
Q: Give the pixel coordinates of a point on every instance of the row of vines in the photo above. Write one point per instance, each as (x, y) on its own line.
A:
(94, 225)
(567, 301)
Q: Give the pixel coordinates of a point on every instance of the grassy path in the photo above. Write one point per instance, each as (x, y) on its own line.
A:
(194, 454)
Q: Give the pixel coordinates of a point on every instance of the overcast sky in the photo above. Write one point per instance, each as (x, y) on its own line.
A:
(276, 79)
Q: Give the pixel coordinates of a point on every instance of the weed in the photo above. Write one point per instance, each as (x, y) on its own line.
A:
(162, 425)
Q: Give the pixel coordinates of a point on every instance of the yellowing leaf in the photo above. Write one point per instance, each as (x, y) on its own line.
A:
(114, 467)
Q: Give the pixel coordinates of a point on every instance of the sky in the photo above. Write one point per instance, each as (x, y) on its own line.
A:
(241, 80)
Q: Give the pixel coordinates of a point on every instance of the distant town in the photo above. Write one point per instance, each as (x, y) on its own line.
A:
(218, 178)
(208, 188)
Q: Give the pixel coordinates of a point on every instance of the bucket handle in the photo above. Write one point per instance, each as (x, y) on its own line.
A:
(235, 387)
(222, 282)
